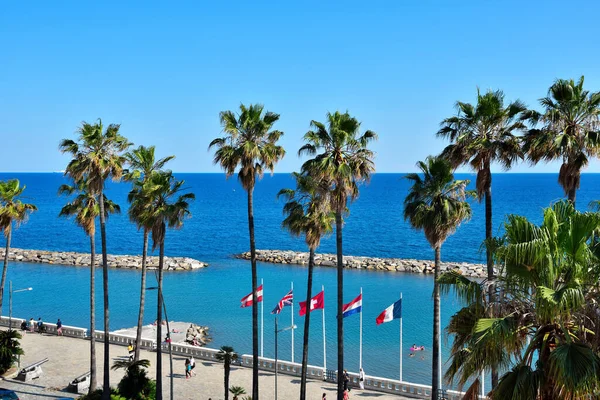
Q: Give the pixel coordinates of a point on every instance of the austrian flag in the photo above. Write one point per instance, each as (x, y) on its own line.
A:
(316, 303)
(247, 300)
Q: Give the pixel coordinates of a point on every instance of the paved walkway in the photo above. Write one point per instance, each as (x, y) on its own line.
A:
(69, 357)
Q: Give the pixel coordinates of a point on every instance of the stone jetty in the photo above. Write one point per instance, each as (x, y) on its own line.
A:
(369, 263)
(114, 261)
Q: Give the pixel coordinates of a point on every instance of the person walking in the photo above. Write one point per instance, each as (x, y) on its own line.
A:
(347, 394)
(59, 328)
(192, 365)
(346, 378)
(361, 379)
(188, 368)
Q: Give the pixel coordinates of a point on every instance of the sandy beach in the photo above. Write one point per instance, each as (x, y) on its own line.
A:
(69, 357)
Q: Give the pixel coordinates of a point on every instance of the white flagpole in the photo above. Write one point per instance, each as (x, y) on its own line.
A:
(360, 336)
(483, 384)
(440, 351)
(401, 339)
(292, 322)
(324, 341)
(262, 326)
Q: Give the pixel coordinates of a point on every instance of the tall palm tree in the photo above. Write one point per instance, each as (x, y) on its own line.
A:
(483, 134)
(142, 163)
(436, 205)
(13, 212)
(227, 355)
(85, 208)
(341, 161)
(164, 206)
(308, 213)
(250, 145)
(98, 155)
(570, 131)
(544, 335)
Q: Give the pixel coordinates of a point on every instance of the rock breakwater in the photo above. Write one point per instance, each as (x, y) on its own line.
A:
(114, 261)
(369, 263)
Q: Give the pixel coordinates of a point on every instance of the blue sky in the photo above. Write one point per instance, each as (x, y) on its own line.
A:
(164, 71)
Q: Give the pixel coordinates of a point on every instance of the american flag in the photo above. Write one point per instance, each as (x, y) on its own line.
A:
(285, 301)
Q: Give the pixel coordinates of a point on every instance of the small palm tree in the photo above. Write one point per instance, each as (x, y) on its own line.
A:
(12, 212)
(436, 205)
(250, 145)
(341, 160)
(164, 206)
(135, 383)
(97, 156)
(85, 208)
(308, 213)
(237, 391)
(227, 355)
(570, 131)
(142, 163)
(10, 349)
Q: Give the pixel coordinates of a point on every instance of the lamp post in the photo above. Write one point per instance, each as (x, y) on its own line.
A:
(276, 332)
(10, 293)
(162, 299)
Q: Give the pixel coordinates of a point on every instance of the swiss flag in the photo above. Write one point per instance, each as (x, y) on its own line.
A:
(316, 303)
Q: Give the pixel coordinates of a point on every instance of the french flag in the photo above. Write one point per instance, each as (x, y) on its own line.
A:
(247, 300)
(392, 312)
(354, 307)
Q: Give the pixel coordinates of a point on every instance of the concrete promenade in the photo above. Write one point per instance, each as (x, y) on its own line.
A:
(69, 357)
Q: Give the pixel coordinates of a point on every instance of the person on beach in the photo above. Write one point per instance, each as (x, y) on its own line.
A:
(131, 350)
(31, 325)
(59, 328)
(361, 379)
(188, 368)
(192, 365)
(346, 380)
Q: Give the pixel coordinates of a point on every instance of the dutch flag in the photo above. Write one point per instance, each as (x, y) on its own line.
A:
(354, 307)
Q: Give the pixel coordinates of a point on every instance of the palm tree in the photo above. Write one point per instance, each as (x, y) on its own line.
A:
(142, 164)
(10, 349)
(249, 144)
(569, 132)
(544, 334)
(436, 205)
(307, 213)
(164, 207)
(12, 211)
(135, 383)
(344, 161)
(85, 208)
(483, 134)
(237, 391)
(97, 156)
(227, 355)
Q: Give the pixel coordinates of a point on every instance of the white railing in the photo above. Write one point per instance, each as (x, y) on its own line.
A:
(374, 383)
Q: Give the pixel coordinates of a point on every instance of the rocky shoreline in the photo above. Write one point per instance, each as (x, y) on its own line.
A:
(114, 261)
(369, 263)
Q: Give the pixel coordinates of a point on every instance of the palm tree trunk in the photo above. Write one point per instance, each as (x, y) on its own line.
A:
(311, 265)
(159, 377)
(340, 304)
(93, 382)
(254, 302)
(138, 336)
(435, 368)
(489, 258)
(106, 383)
(572, 195)
(5, 269)
(226, 380)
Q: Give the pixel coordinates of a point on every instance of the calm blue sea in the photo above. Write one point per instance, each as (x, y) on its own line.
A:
(218, 229)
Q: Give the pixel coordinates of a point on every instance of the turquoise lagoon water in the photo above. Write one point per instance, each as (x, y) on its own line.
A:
(218, 229)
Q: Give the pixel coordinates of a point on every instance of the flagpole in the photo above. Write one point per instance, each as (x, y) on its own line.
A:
(292, 322)
(401, 339)
(324, 341)
(360, 336)
(262, 326)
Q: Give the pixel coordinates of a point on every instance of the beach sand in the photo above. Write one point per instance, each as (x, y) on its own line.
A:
(69, 357)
